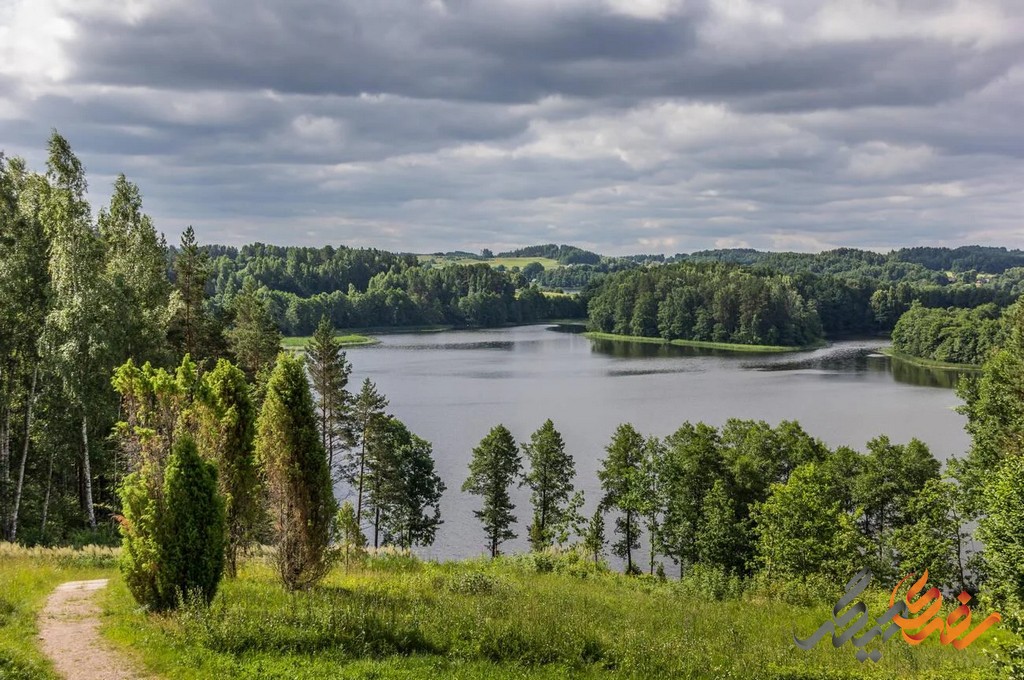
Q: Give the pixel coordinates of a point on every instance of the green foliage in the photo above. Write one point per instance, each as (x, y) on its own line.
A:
(173, 546)
(494, 467)
(225, 431)
(1002, 532)
(406, 491)
(367, 419)
(298, 480)
(706, 302)
(253, 337)
(890, 477)
(550, 475)
(619, 475)
(801, 531)
(191, 530)
(329, 372)
(933, 536)
(349, 535)
(958, 336)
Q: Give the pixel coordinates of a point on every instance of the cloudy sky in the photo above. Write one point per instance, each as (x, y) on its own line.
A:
(621, 125)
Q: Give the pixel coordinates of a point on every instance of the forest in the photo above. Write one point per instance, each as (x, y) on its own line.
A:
(949, 335)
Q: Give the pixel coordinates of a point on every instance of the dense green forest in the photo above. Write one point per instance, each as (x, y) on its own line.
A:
(706, 302)
(950, 335)
(361, 288)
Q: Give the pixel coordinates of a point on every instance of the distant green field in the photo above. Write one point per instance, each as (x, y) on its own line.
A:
(509, 262)
(730, 346)
(351, 340)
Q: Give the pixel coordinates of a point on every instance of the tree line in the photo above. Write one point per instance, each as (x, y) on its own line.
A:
(741, 500)
(368, 288)
(707, 302)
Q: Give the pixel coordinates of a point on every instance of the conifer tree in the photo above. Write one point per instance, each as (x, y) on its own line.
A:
(329, 372)
(226, 429)
(367, 418)
(298, 481)
(494, 467)
(594, 540)
(550, 477)
(253, 338)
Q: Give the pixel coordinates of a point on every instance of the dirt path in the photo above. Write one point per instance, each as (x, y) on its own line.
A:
(69, 635)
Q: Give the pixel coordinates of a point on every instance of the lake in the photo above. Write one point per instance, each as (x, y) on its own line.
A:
(451, 387)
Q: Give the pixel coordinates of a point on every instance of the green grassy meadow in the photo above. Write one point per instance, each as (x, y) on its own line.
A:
(508, 262)
(729, 346)
(519, 617)
(299, 342)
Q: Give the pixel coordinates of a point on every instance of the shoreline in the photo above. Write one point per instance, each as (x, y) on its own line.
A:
(927, 363)
(702, 344)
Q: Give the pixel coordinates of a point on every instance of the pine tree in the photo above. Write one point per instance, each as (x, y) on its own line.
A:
(253, 338)
(494, 467)
(298, 481)
(593, 539)
(329, 372)
(550, 480)
(366, 418)
(618, 476)
(192, 330)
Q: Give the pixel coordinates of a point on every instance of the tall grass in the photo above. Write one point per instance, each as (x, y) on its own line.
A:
(528, 616)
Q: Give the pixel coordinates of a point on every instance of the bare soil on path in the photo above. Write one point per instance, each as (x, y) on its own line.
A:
(69, 635)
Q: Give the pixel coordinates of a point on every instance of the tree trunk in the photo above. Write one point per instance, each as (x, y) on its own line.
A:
(362, 471)
(5, 467)
(90, 511)
(46, 498)
(24, 455)
(376, 527)
(629, 542)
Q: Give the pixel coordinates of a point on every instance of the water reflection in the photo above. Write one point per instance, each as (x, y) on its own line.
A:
(847, 359)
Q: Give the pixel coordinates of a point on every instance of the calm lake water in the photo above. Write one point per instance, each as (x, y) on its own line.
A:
(452, 387)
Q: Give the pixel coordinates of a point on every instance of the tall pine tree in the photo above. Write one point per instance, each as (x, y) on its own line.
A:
(494, 467)
(550, 479)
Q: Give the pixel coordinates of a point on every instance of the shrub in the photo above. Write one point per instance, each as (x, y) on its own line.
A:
(173, 545)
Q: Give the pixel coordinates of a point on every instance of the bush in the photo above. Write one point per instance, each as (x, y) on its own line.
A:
(173, 546)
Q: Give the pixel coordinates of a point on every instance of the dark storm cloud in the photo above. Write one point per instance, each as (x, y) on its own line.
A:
(626, 125)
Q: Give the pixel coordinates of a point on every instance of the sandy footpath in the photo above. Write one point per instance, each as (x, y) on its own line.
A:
(69, 635)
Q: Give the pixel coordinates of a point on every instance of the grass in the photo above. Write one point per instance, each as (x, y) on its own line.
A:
(929, 363)
(729, 346)
(298, 342)
(27, 576)
(508, 262)
(521, 617)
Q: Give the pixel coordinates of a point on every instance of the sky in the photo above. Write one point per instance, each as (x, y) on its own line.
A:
(624, 126)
